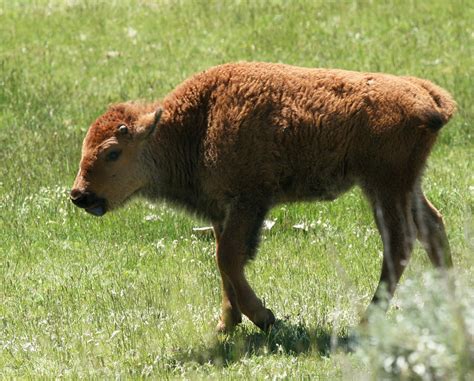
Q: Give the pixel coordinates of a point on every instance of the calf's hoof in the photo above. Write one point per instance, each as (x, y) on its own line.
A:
(222, 327)
(265, 321)
(228, 322)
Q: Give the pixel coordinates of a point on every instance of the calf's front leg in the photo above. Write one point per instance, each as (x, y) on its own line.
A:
(230, 315)
(236, 246)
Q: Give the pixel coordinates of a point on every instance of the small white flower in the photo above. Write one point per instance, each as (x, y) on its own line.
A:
(152, 217)
(301, 226)
(268, 224)
(28, 347)
(112, 54)
(402, 363)
(160, 244)
(419, 369)
(131, 33)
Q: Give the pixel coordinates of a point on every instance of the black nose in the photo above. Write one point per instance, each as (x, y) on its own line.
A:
(83, 199)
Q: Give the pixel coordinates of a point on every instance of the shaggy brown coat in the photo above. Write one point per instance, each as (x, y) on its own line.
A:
(231, 142)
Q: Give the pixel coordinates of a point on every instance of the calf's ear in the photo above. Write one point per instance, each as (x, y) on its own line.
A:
(146, 125)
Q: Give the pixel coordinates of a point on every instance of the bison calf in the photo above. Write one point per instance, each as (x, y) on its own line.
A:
(231, 142)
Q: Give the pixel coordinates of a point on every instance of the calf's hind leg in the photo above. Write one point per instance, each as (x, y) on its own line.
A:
(237, 244)
(431, 231)
(394, 221)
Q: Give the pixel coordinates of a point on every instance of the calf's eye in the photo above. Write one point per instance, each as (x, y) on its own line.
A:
(122, 129)
(113, 155)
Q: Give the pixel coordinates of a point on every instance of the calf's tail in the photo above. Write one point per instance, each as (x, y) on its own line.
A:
(444, 105)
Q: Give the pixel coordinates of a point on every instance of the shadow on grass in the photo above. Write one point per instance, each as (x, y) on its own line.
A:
(284, 338)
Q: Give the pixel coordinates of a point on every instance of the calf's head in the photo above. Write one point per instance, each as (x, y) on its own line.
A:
(113, 154)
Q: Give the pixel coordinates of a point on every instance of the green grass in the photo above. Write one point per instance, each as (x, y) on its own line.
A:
(136, 293)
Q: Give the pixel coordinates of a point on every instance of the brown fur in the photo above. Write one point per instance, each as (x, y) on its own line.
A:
(237, 139)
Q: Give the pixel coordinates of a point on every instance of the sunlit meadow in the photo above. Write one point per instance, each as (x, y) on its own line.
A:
(136, 293)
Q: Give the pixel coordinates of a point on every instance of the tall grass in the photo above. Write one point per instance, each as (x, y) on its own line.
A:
(431, 337)
(136, 293)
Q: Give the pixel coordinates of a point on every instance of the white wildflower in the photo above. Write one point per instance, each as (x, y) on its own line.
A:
(131, 33)
(268, 224)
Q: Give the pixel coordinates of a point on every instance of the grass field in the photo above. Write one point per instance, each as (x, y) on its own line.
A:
(136, 293)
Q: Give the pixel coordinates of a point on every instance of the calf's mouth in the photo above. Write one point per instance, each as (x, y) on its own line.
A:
(97, 209)
(92, 204)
